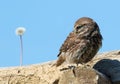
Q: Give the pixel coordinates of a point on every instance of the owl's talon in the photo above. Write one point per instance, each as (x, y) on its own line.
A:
(64, 69)
(71, 67)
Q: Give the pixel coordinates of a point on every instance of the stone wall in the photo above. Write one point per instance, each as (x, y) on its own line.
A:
(103, 69)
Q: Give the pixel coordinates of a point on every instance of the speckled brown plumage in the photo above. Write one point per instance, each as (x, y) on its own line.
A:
(82, 43)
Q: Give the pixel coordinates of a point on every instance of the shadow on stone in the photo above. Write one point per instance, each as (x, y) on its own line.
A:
(82, 75)
(110, 68)
(56, 81)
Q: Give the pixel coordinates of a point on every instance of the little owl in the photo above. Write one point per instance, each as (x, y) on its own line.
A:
(82, 43)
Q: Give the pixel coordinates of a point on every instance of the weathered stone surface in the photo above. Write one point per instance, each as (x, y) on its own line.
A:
(106, 63)
(83, 76)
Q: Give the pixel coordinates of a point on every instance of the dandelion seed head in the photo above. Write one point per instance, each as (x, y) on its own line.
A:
(20, 30)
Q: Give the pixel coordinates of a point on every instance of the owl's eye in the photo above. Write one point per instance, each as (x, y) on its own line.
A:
(78, 27)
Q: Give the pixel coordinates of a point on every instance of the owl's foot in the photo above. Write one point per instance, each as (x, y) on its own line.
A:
(69, 67)
(73, 69)
(66, 68)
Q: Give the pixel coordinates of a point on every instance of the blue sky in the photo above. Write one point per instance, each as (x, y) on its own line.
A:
(47, 23)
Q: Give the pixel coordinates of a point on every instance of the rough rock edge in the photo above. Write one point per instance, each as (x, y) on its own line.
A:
(47, 74)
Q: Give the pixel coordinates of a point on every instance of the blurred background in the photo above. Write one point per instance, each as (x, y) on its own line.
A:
(48, 23)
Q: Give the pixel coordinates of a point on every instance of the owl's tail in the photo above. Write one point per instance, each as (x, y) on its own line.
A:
(60, 60)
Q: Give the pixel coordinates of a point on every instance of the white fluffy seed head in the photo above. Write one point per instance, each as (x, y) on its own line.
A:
(20, 30)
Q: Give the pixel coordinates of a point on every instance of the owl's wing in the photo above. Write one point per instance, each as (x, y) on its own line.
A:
(68, 43)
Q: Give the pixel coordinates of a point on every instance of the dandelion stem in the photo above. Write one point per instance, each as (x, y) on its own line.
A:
(21, 53)
(20, 31)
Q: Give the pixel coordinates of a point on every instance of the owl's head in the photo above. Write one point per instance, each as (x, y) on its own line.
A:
(80, 23)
